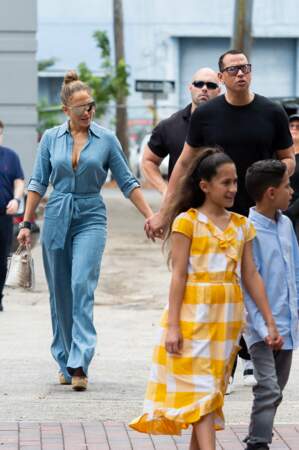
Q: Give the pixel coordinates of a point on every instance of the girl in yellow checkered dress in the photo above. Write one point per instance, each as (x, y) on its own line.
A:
(201, 326)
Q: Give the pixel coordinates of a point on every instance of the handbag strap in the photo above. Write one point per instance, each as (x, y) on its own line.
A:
(21, 248)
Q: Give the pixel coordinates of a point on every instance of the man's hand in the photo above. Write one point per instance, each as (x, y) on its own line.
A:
(274, 340)
(174, 340)
(12, 207)
(155, 226)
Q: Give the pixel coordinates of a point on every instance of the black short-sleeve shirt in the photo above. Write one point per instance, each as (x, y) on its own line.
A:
(10, 170)
(246, 133)
(168, 137)
(295, 179)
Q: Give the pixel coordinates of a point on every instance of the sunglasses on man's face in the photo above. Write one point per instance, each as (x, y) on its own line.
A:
(233, 70)
(81, 109)
(200, 84)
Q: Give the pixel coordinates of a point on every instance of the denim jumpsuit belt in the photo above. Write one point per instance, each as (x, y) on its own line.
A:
(73, 239)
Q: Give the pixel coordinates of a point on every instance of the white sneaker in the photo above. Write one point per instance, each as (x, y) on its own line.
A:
(230, 386)
(249, 379)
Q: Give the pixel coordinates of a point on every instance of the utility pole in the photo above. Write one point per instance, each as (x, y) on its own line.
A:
(121, 100)
(241, 39)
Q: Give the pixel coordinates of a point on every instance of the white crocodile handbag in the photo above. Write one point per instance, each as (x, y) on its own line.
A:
(20, 271)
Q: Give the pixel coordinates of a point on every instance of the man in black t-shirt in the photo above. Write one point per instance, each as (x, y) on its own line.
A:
(169, 136)
(11, 192)
(247, 133)
(247, 126)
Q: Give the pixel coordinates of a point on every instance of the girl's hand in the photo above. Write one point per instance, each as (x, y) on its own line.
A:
(24, 237)
(274, 340)
(174, 340)
(155, 226)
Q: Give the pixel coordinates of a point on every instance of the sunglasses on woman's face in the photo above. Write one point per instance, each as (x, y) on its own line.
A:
(200, 84)
(81, 109)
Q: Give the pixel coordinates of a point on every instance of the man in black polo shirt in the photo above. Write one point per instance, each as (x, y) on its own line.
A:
(11, 192)
(169, 136)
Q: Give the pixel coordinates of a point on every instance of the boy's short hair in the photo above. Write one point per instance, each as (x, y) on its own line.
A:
(264, 174)
(1, 124)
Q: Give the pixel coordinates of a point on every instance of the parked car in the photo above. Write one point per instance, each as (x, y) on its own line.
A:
(163, 165)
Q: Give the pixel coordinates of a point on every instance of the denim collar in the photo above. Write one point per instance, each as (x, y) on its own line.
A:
(93, 128)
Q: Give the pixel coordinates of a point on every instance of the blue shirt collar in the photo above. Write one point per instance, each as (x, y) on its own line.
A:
(263, 220)
(93, 128)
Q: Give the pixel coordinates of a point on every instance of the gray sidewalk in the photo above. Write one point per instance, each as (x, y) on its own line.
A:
(132, 290)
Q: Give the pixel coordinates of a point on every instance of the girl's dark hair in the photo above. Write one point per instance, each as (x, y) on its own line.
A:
(71, 84)
(188, 193)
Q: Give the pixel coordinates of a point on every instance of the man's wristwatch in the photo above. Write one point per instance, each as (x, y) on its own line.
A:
(25, 225)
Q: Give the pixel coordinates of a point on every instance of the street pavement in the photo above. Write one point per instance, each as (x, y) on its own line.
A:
(37, 413)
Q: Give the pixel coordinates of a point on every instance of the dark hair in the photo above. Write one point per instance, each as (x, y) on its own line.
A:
(229, 52)
(293, 118)
(264, 174)
(1, 124)
(188, 193)
(70, 85)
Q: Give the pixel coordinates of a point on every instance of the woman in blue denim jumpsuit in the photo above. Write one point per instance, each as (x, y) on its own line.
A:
(75, 158)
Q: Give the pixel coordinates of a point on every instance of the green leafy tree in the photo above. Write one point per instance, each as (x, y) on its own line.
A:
(112, 80)
(44, 64)
(105, 87)
(48, 115)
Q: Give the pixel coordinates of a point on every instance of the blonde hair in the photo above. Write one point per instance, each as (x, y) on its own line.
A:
(71, 84)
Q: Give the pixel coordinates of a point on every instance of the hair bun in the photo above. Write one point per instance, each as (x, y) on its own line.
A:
(70, 76)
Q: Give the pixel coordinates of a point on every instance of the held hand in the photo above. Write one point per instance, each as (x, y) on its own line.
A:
(274, 340)
(174, 341)
(12, 207)
(155, 226)
(24, 237)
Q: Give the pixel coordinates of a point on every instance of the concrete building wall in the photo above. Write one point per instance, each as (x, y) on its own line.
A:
(18, 78)
(160, 36)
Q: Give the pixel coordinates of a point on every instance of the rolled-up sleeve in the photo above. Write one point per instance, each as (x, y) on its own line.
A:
(120, 169)
(42, 168)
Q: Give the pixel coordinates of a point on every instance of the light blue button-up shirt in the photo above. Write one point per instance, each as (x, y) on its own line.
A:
(276, 254)
(77, 192)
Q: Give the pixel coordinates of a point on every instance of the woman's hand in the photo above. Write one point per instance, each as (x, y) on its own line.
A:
(174, 340)
(24, 237)
(274, 340)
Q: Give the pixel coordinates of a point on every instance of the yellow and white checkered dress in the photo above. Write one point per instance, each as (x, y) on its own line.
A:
(181, 389)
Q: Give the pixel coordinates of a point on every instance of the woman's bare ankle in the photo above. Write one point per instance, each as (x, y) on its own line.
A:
(79, 372)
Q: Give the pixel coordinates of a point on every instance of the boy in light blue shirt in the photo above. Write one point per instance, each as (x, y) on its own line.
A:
(276, 254)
